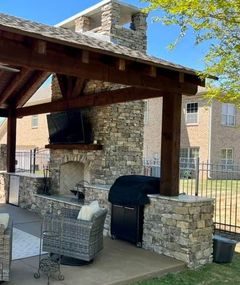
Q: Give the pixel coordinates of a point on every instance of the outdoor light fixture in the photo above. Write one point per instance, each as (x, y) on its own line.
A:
(9, 69)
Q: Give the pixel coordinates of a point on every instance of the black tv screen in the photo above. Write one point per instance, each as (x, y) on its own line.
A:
(69, 127)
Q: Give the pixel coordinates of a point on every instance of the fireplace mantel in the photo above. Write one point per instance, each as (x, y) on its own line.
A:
(84, 147)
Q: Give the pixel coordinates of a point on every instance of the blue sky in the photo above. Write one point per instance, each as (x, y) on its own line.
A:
(159, 36)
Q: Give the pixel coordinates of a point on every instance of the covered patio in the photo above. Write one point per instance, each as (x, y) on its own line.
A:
(174, 225)
(119, 262)
(30, 52)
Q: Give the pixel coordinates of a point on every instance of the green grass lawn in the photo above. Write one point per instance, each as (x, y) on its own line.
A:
(212, 274)
(210, 188)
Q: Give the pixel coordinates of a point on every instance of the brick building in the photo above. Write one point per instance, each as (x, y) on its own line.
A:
(32, 131)
(209, 131)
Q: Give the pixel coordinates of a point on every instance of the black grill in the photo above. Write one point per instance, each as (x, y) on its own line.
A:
(128, 196)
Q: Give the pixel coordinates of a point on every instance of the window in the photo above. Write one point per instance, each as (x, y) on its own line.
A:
(228, 115)
(34, 121)
(192, 113)
(146, 112)
(188, 156)
(227, 158)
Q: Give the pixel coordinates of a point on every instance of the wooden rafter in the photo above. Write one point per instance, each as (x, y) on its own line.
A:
(91, 100)
(30, 87)
(68, 61)
(14, 85)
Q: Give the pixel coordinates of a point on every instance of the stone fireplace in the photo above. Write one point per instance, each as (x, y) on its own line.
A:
(119, 129)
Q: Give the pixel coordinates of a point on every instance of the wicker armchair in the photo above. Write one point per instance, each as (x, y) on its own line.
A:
(74, 238)
(5, 251)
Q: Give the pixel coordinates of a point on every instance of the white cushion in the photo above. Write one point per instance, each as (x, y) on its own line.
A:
(4, 218)
(87, 211)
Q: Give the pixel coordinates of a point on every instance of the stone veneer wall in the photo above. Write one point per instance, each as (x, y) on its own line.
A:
(3, 188)
(3, 157)
(119, 128)
(180, 227)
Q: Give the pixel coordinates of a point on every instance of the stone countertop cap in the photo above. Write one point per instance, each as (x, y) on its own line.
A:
(25, 174)
(183, 198)
(99, 186)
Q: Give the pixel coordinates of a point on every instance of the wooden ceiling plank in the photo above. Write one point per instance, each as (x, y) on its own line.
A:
(15, 83)
(72, 65)
(92, 100)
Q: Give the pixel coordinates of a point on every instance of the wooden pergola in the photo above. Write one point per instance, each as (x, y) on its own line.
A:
(30, 52)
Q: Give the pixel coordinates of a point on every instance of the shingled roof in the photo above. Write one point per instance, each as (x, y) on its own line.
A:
(80, 40)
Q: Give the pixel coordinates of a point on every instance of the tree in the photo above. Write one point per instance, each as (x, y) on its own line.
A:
(216, 21)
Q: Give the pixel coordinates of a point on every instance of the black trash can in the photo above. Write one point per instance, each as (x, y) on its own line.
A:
(223, 249)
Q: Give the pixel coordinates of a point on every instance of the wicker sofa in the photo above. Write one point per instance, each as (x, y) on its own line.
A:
(5, 250)
(72, 237)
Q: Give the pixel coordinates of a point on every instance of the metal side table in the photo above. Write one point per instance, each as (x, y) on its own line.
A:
(50, 264)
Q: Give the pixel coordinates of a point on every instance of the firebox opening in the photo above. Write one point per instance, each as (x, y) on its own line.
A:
(72, 174)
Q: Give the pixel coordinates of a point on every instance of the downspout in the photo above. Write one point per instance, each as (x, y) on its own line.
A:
(210, 139)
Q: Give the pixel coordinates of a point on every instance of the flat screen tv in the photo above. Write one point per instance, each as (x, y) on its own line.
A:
(69, 128)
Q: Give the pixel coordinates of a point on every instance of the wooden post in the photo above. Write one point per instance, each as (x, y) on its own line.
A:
(170, 150)
(11, 140)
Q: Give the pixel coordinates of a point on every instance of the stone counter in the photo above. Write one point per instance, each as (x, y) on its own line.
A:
(42, 203)
(180, 227)
(29, 184)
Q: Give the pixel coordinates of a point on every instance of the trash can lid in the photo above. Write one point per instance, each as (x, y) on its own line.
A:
(224, 239)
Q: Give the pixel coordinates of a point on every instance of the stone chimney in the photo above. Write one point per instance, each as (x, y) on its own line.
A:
(121, 24)
(119, 127)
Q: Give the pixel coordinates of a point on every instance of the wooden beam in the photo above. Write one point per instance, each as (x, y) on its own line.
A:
(121, 64)
(90, 100)
(170, 149)
(85, 56)
(71, 87)
(63, 84)
(3, 113)
(85, 147)
(40, 46)
(69, 62)
(78, 88)
(30, 87)
(14, 84)
(11, 140)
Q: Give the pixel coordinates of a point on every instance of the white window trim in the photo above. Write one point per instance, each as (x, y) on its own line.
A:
(185, 111)
(227, 115)
(146, 112)
(32, 118)
(224, 160)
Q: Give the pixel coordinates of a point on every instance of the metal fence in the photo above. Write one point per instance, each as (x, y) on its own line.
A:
(32, 161)
(218, 181)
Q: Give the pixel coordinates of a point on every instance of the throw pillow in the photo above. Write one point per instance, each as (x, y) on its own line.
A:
(87, 211)
(4, 218)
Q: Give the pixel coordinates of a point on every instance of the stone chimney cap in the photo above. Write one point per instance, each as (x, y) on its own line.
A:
(126, 10)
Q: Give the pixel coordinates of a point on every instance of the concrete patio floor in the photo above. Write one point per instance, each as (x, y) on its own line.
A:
(119, 262)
